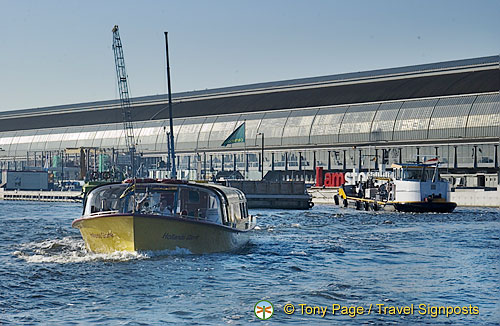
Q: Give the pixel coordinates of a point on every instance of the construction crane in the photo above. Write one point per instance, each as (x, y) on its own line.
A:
(121, 76)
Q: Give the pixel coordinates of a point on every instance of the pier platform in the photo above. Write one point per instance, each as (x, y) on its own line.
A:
(323, 195)
(274, 194)
(49, 196)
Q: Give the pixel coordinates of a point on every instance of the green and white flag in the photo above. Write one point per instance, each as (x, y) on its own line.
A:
(237, 136)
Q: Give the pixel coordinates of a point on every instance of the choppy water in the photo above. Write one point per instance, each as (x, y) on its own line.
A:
(319, 257)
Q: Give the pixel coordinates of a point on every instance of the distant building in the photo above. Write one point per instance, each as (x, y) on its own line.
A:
(340, 122)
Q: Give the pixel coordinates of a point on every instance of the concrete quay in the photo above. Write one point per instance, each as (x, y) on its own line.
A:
(463, 197)
(476, 197)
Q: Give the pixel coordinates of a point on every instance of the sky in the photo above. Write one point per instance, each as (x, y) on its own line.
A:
(59, 52)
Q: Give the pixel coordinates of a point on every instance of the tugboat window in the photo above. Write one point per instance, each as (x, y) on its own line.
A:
(413, 174)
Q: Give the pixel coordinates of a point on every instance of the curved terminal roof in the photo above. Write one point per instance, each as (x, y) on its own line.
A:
(469, 76)
(443, 103)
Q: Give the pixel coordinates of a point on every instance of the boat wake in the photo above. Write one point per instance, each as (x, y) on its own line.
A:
(72, 250)
(161, 253)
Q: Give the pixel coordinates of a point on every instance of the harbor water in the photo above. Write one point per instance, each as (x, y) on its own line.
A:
(323, 257)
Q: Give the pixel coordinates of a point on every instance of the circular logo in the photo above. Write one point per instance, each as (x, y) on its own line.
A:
(263, 309)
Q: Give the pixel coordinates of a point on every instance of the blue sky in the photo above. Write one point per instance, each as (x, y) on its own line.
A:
(59, 52)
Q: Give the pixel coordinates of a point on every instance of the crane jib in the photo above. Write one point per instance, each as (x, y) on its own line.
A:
(121, 77)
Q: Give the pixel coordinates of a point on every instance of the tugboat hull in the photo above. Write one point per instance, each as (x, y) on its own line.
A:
(425, 207)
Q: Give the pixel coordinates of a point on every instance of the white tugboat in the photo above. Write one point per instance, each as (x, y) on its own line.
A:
(414, 187)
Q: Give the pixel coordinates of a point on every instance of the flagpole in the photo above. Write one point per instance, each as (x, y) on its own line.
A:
(237, 136)
(245, 153)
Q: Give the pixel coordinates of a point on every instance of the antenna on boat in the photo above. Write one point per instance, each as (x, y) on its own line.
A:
(172, 150)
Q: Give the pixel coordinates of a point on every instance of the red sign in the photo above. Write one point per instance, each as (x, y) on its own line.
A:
(329, 180)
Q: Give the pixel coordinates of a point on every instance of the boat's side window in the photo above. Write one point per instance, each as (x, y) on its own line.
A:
(104, 205)
(413, 174)
(244, 213)
(213, 213)
(236, 211)
(427, 175)
(166, 203)
(183, 201)
(128, 205)
(142, 202)
(194, 197)
(231, 214)
(198, 203)
(213, 202)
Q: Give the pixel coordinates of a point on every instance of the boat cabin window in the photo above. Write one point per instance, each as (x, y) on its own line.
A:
(194, 202)
(104, 199)
(412, 174)
(417, 173)
(244, 211)
(194, 197)
(199, 203)
(156, 200)
(213, 210)
(428, 173)
(236, 210)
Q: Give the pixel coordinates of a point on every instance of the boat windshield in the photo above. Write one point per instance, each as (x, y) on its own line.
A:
(161, 199)
(104, 199)
(420, 173)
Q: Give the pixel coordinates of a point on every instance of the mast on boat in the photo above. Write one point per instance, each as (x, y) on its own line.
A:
(171, 140)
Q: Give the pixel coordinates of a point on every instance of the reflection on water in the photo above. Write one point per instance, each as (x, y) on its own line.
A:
(319, 257)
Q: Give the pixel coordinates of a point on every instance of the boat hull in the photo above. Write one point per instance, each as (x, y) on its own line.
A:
(410, 207)
(130, 232)
(425, 207)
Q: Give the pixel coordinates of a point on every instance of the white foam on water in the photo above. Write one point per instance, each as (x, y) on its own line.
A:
(298, 253)
(68, 250)
(72, 250)
(167, 252)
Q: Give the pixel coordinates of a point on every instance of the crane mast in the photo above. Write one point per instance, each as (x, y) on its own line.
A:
(121, 76)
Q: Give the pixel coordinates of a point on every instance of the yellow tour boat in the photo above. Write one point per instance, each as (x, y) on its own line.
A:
(151, 215)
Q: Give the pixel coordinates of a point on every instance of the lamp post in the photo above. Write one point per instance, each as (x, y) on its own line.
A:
(168, 165)
(1, 150)
(262, 155)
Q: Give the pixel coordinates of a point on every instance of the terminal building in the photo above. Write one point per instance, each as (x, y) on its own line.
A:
(362, 120)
